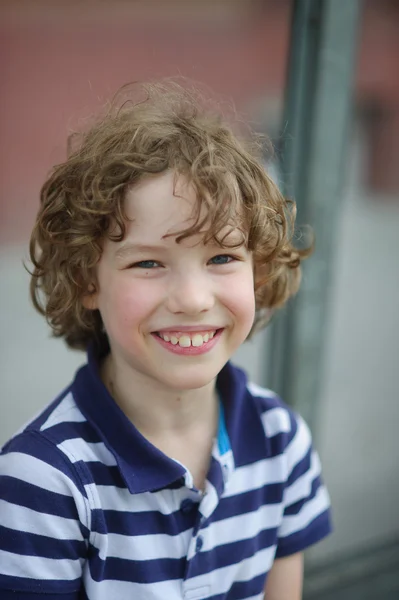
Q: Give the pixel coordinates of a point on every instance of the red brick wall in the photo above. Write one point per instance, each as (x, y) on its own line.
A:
(62, 60)
(60, 65)
(378, 89)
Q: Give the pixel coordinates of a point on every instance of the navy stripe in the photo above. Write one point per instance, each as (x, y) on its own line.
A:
(61, 588)
(105, 475)
(215, 476)
(300, 540)
(296, 507)
(247, 502)
(279, 442)
(233, 553)
(246, 433)
(300, 468)
(71, 430)
(143, 523)
(37, 445)
(32, 544)
(21, 493)
(14, 595)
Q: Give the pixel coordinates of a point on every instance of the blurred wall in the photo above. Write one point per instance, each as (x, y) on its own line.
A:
(358, 414)
(63, 60)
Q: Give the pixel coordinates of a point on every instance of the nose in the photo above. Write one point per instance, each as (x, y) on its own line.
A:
(191, 294)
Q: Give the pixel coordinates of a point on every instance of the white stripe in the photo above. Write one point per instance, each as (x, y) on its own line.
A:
(110, 589)
(164, 501)
(276, 420)
(77, 449)
(39, 568)
(242, 527)
(260, 392)
(256, 475)
(299, 445)
(157, 546)
(302, 487)
(36, 472)
(197, 593)
(143, 547)
(218, 581)
(209, 501)
(65, 412)
(25, 519)
(310, 510)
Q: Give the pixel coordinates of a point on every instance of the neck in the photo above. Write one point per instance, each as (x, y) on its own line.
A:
(158, 412)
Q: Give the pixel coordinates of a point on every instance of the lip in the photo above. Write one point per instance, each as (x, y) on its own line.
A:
(191, 350)
(182, 328)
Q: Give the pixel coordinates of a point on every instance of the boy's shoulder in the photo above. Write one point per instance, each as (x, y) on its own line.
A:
(59, 415)
(59, 435)
(37, 464)
(276, 415)
(267, 422)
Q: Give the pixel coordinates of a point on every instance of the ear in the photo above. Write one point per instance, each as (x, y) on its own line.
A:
(90, 298)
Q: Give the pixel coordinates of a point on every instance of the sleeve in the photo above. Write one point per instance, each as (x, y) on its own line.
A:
(306, 504)
(44, 522)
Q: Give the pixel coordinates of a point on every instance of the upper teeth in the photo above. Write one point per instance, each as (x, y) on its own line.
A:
(185, 341)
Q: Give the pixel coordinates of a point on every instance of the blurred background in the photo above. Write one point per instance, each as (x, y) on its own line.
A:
(61, 60)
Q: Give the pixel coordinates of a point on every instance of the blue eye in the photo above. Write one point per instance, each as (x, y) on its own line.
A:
(222, 259)
(146, 264)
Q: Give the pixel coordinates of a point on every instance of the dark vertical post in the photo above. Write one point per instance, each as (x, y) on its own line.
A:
(314, 136)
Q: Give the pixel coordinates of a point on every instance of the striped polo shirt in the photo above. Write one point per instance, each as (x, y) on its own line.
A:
(89, 508)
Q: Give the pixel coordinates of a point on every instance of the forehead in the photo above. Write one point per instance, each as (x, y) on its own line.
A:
(164, 208)
(162, 202)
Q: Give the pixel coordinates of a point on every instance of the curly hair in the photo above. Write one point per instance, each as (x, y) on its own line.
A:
(82, 201)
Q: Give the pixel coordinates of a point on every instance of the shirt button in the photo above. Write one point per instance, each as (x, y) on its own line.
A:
(199, 543)
(187, 506)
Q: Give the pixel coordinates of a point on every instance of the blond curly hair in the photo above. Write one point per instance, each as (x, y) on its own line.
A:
(170, 128)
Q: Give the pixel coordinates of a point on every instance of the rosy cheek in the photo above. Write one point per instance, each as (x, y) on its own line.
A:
(131, 304)
(240, 298)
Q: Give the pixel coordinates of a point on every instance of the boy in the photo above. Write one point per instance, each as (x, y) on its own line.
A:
(160, 472)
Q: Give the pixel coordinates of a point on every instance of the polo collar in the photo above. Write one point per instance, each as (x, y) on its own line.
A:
(144, 467)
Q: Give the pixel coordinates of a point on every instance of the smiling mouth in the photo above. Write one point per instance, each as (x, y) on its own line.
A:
(187, 339)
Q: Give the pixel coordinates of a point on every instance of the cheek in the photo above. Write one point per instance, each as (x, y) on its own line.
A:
(126, 305)
(239, 297)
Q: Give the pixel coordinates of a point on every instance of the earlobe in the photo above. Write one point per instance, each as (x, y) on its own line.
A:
(89, 300)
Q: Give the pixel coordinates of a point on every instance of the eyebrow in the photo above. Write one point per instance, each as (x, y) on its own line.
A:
(131, 248)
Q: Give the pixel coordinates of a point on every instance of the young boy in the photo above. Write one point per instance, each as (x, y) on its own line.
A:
(160, 472)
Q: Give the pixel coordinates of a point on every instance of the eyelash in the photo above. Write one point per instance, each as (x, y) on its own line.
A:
(140, 264)
(232, 258)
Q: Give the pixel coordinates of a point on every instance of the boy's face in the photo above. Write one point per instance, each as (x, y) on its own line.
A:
(174, 313)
